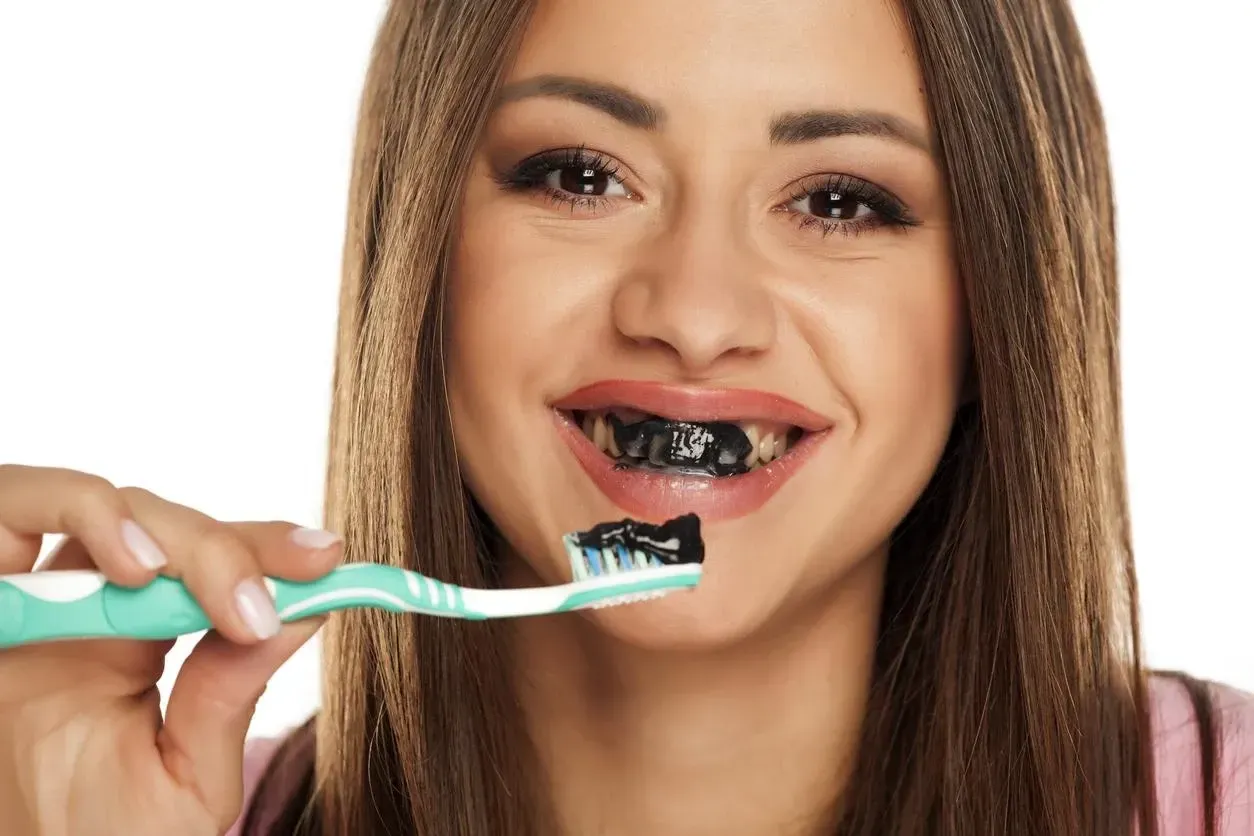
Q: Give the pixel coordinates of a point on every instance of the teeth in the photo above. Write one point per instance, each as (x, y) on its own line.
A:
(598, 430)
(655, 449)
(752, 432)
(766, 446)
(600, 433)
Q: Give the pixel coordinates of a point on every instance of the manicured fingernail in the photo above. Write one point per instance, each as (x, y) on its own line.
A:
(314, 538)
(256, 608)
(141, 546)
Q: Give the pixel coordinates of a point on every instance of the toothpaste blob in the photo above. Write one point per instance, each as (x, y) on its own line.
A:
(628, 545)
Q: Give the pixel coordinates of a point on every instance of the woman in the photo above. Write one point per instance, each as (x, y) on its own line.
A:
(878, 237)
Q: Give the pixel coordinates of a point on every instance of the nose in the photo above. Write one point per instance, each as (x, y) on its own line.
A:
(695, 294)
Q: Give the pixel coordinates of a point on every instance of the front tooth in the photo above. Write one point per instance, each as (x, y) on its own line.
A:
(599, 432)
(611, 442)
(766, 448)
(752, 432)
(655, 449)
(781, 444)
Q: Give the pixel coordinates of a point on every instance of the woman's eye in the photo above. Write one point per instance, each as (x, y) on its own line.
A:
(585, 182)
(831, 205)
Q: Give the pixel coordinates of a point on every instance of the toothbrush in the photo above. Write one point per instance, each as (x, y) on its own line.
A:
(612, 563)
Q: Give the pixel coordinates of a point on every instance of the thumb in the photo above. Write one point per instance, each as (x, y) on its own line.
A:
(210, 708)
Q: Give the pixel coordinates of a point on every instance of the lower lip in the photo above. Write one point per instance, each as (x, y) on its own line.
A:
(655, 497)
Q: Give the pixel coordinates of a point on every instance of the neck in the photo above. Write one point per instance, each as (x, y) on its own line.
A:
(749, 739)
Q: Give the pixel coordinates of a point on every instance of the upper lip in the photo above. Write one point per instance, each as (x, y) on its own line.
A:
(693, 403)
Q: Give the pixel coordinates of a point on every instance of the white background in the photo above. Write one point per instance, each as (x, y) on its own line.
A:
(172, 193)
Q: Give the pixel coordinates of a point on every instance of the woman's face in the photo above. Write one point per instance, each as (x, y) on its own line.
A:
(732, 214)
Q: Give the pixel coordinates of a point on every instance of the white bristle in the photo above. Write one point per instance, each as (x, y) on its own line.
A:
(579, 568)
(634, 598)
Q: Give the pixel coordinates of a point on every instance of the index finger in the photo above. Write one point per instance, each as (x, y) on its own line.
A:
(44, 500)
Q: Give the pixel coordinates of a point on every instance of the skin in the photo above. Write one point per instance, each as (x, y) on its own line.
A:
(698, 270)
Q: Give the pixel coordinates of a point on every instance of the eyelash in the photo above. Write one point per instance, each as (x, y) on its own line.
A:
(531, 174)
(887, 210)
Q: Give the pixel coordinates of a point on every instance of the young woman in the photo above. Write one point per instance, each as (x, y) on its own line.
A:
(879, 236)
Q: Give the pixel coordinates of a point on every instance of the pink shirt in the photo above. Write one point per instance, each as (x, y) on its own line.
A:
(1177, 766)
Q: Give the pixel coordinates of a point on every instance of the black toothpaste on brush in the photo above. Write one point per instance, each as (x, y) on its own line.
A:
(717, 448)
(631, 544)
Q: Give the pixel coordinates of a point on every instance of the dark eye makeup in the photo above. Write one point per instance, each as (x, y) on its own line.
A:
(577, 177)
(842, 203)
(583, 179)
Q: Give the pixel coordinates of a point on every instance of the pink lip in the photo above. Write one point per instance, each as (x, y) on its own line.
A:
(691, 403)
(654, 497)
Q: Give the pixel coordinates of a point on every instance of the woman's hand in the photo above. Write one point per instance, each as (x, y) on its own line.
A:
(83, 747)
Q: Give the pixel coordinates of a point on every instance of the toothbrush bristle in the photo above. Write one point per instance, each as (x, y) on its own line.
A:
(629, 599)
(632, 546)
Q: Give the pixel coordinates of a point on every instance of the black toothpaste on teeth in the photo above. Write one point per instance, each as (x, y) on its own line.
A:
(673, 542)
(717, 448)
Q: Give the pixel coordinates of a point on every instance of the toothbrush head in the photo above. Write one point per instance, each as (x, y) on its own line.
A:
(630, 546)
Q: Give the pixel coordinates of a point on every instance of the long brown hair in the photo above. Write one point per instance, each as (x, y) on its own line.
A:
(1019, 548)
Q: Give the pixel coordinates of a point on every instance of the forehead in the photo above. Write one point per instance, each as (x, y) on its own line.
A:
(732, 60)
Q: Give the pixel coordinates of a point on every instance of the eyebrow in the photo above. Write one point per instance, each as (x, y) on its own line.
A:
(786, 129)
(623, 105)
(811, 125)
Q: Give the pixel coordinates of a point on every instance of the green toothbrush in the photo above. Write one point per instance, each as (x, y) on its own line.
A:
(612, 563)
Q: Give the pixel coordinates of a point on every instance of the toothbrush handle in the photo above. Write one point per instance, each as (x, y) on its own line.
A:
(50, 606)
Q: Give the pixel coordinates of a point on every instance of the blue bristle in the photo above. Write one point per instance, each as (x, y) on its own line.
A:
(624, 557)
(594, 561)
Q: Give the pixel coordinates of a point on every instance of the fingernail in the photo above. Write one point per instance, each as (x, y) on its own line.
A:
(314, 538)
(141, 546)
(256, 608)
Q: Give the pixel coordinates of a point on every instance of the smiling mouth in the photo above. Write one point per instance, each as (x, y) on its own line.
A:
(638, 440)
(657, 450)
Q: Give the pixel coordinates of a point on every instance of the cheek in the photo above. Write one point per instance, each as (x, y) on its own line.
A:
(907, 354)
(504, 317)
(491, 308)
(521, 322)
(497, 333)
(522, 306)
(896, 343)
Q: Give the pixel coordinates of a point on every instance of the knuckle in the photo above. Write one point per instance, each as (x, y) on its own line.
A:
(217, 546)
(93, 497)
(131, 493)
